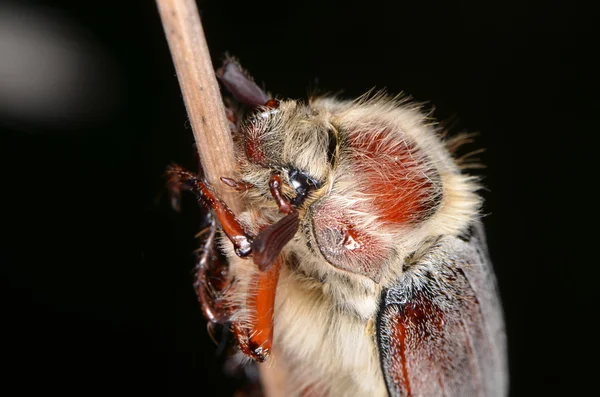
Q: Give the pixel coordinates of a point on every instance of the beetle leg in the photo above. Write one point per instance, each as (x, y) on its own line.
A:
(256, 339)
(212, 279)
(240, 186)
(229, 223)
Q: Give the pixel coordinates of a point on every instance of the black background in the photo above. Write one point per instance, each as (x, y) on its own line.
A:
(96, 269)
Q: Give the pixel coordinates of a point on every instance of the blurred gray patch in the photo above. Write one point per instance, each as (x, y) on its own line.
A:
(53, 73)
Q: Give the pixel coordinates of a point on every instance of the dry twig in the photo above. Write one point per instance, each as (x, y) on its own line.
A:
(205, 109)
(201, 93)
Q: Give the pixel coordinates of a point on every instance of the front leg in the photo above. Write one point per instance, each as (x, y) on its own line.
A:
(212, 278)
(229, 223)
(254, 338)
(257, 339)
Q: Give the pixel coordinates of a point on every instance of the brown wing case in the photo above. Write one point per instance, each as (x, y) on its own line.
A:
(440, 330)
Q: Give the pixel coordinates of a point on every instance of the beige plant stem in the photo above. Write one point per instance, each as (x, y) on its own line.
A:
(204, 105)
(201, 94)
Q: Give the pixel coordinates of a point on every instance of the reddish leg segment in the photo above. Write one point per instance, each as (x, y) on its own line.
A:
(237, 185)
(231, 226)
(211, 274)
(263, 302)
(266, 247)
(254, 339)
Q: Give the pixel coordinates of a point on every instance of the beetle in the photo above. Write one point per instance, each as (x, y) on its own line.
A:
(360, 258)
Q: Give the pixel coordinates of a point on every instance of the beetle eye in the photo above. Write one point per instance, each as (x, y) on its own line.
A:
(302, 184)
